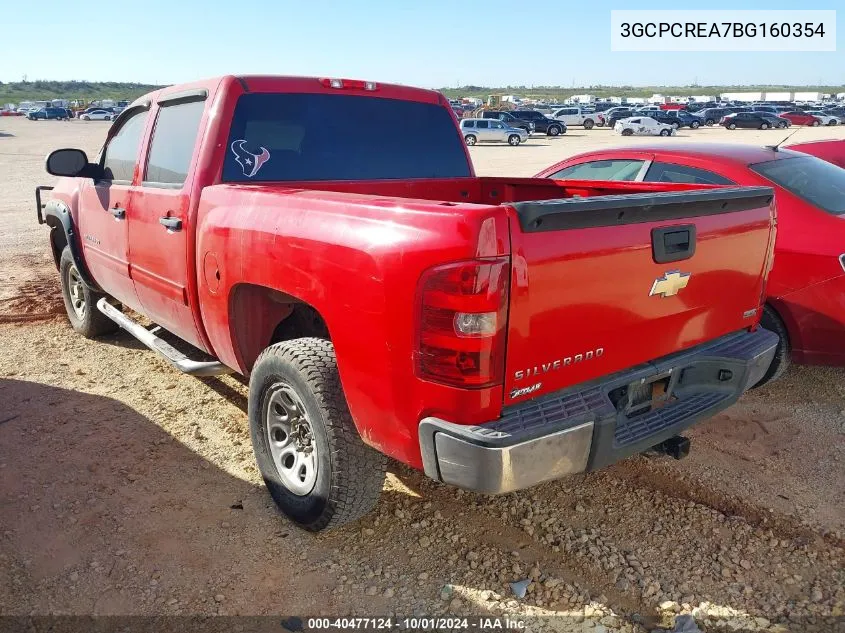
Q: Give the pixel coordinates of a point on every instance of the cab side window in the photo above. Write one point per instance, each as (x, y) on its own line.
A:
(667, 172)
(172, 145)
(120, 154)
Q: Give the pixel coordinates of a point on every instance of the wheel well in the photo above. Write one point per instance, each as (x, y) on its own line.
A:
(58, 239)
(260, 316)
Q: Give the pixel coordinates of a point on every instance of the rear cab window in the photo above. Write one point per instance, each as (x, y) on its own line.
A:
(320, 137)
(813, 180)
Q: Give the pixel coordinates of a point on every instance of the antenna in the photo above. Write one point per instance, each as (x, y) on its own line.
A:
(775, 148)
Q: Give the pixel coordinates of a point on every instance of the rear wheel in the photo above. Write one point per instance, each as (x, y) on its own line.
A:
(470, 139)
(709, 122)
(676, 125)
(81, 302)
(514, 139)
(780, 363)
(315, 465)
(588, 124)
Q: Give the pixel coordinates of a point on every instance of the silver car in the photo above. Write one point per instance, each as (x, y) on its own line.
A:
(491, 131)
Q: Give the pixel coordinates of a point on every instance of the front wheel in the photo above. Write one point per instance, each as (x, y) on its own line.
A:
(764, 126)
(588, 124)
(514, 140)
(676, 125)
(627, 132)
(81, 302)
(782, 126)
(816, 123)
(313, 461)
(695, 125)
(731, 126)
(470, 139)
(85, 118)
(553, 130)
(665, 132)
(709, 121)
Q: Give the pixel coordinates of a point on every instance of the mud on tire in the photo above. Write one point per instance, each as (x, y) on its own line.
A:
(349, 474)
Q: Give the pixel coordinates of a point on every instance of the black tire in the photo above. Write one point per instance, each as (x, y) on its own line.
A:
(665, 132)
(780, 363)
(350, 474)
(627, 132)
(695, 125)
(816, 123)
(470, 139)
(600, 123)
(553, 130)
(588, 124)
(764, 126)
(731, 126)
(676, 125)
(709, 122)
(85, 318)
(514, 140)
(782, 126)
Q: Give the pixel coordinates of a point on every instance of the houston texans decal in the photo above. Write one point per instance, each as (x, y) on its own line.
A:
(249, 162)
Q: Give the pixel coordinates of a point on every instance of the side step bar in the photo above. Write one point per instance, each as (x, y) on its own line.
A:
(171, 354)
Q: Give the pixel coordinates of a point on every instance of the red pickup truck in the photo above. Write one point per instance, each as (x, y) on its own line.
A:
(329, 239)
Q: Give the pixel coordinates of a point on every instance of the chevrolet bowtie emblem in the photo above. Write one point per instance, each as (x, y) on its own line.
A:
(670, 284)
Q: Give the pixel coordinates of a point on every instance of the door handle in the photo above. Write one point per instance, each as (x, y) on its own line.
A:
(172, 224)
(673, 243)
(118, 213)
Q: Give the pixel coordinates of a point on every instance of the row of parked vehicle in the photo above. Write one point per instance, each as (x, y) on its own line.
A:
(65, 114)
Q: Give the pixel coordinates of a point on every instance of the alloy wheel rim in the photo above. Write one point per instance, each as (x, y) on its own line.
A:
(290, 438)
(77, 293)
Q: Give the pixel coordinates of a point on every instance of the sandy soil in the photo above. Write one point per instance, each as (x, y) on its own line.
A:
(127, 488)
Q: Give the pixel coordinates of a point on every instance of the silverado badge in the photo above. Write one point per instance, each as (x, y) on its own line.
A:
(670, 284)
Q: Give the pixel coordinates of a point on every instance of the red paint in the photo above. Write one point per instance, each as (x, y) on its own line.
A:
(833, 151)
(357, 252)
(799, 118)
(806, 283)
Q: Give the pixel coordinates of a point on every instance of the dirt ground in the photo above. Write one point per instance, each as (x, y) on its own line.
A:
(129, 489)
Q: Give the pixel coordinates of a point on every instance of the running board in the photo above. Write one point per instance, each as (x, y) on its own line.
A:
(171, 354)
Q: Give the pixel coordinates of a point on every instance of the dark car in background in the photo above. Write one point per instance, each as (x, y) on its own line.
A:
(753, 120)
(508, 119)
(58, 114)
(610, 118)
(711, 116)
(542, 123)
(675, 118)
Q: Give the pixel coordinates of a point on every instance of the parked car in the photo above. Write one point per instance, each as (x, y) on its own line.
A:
(97, 115)
(612, 116)
(509, 120)
(669, 117)
(711, 116)
(59, 114)
(686, 119)
(376, 292)
(643, 126)
(826, 119)
(801, 118)
(755, 120)
(804, 295)
(491, 131)
(576, 116)
(542, 123)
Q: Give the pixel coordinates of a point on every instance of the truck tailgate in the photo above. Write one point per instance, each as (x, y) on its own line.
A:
(605, 283)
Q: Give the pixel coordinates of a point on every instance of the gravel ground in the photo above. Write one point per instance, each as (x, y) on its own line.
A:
(129, 489)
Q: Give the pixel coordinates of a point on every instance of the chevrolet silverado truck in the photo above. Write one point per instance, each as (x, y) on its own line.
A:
(383, 300)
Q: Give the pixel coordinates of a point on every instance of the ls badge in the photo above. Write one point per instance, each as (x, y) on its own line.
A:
(670, 284)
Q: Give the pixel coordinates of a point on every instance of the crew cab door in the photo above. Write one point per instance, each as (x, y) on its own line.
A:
(103, 207)
(158, 230)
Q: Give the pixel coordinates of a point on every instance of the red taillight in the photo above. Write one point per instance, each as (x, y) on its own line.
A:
(462, 312)
(349, 84)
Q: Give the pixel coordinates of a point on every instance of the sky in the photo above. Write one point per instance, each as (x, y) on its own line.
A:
(431, 43)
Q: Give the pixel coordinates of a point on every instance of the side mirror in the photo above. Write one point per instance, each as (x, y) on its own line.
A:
(71, 163)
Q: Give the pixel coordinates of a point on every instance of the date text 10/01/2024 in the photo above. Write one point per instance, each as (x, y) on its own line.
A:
(478, 623)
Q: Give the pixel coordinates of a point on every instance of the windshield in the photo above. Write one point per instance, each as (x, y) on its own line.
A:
(818, 182)
(313, 137)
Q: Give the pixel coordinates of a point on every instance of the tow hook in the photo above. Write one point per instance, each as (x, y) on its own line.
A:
(677, 447)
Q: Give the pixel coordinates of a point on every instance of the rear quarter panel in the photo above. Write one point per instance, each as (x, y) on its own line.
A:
(356, 259)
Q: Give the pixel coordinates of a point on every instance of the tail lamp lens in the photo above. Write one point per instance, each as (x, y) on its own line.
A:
(462, 319)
